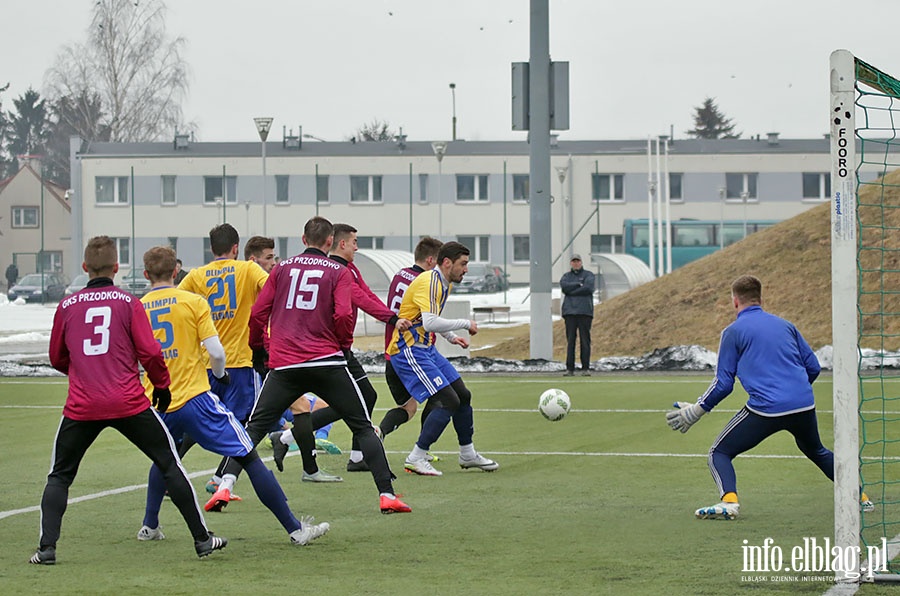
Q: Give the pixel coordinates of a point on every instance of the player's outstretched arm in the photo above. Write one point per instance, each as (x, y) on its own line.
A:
(684, 415)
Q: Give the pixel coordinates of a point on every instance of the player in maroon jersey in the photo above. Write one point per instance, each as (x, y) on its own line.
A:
(342, 251)
(99, 335)
(307, 306)
(426, 259)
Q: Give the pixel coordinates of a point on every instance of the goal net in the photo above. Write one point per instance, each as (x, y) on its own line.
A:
(865, 249)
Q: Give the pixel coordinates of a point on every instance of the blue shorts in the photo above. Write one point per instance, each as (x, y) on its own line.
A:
(239, 396)
(423, 371)
(211, 424)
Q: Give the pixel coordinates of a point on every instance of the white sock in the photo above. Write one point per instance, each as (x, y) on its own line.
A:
(356, 456)
(417, 453)
(467, 451)
(388, 495)
(228, 481)
(287, 437)
(216, 479)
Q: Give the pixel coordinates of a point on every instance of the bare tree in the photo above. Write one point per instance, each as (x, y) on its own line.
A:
(374, 131)
(131, 65)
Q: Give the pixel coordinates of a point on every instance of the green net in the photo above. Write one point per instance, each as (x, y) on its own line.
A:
(878, 259)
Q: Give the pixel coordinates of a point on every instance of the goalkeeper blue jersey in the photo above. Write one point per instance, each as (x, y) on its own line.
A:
(772, 360)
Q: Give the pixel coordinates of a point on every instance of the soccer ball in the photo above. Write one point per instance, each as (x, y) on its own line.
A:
(554, 404)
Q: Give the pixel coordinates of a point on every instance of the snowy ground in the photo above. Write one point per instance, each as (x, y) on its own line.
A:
(25, 337)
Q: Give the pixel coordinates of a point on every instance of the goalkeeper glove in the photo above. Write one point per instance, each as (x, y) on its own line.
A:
(260, 361)
(225, 379)
(684, 416)
(162, 397)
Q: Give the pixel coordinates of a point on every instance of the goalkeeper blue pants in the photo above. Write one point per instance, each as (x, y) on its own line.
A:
(747, 429)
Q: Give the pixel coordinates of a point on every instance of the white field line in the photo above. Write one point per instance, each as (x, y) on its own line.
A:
(615, 454)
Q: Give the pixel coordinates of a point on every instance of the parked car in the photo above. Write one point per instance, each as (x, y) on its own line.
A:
(135, 283)
(483, 278)
(32, 289)
(78, 283)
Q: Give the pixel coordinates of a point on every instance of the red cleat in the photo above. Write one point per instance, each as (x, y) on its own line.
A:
(219, 500)
(393, 505)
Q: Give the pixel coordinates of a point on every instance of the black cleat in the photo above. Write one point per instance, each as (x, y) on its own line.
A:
(280, 451)
(357, 466)
(206, 547)
(44, 556)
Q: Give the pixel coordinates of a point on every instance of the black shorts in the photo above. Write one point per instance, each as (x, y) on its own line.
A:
(398, 391)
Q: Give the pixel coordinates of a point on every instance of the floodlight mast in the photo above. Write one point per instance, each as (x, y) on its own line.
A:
(263, 126)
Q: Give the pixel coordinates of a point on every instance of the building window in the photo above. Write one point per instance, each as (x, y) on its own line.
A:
(51, 260)
(521, 248)
(213, 191)
(479, 247)
(123, 248)
(168, 190)
(111, 191)
(816, 186)
(282, 248)
(675, 193)
(606, 243)
(423, 188)
(281, 189)
(26, 217)
(372, 242)
(737, 186)
(608, 187)
(521, 188)
(365, 189)
(472, 187)
(321, 188)
(208, 256)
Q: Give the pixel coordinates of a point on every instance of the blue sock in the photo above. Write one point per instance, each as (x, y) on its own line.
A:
(323, 432)
(156, 490)
(437, 421)
(270, 493)
(464, 423)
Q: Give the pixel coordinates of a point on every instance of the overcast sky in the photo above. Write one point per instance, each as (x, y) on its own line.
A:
(637, 67)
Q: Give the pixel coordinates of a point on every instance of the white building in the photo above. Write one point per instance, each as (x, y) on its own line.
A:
(173, 193)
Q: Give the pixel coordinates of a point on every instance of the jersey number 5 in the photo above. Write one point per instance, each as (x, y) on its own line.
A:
(304, 292)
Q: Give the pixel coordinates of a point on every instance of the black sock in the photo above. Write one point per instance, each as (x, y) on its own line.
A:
(306, 440)
(392, 421)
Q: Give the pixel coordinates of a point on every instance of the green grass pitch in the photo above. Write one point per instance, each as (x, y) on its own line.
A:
(599, 503)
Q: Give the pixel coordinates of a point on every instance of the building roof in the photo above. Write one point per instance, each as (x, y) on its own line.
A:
(454, 148)
(56, 191)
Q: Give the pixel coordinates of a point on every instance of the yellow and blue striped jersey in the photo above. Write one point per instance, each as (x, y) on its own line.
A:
(230, 287)
(180, 321)
(427, 293)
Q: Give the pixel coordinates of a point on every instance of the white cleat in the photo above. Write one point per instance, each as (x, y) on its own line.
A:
(422, 467)
(479, 461)
(148, 533)
(719, 511)
(309, 531)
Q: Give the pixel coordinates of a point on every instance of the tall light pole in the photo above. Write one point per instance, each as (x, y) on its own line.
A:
(439, 148)
(453, 93)
(263, 126)
(745, 196)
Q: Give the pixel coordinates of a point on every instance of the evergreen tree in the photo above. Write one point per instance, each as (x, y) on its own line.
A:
(710, 123)
(82, 116)
(27, 129)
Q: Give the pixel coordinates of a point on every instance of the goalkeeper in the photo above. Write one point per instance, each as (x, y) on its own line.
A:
(777, 368)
